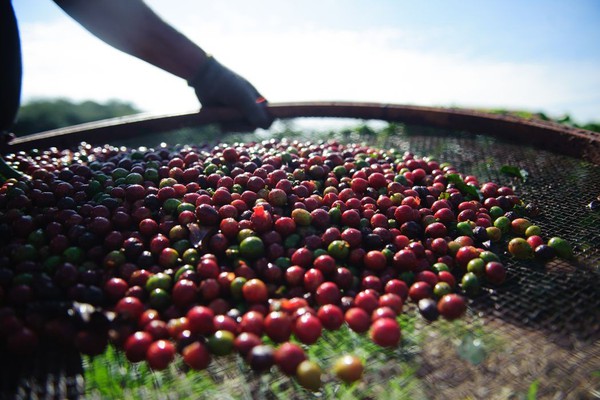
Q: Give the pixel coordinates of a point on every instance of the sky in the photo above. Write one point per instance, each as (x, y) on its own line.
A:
(536, 55)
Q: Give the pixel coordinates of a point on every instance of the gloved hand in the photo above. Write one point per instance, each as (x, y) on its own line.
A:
(216, 85)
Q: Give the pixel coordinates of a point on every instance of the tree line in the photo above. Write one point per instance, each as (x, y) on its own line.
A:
(44, 114)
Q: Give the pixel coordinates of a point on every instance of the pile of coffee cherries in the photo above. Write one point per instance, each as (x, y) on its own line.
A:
(204, 251)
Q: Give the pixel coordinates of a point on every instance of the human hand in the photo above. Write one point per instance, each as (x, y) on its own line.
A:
(216, 85)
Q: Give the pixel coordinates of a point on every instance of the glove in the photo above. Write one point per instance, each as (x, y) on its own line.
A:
(216, 85)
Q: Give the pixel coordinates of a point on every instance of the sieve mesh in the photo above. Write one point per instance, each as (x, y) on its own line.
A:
(542, 325)
(560, 296)
(550, 314)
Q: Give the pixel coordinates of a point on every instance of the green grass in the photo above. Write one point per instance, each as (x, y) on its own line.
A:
(112, 376)
(389, 373)
(533, 390)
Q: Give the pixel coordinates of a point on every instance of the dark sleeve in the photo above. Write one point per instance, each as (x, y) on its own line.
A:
(10, 67)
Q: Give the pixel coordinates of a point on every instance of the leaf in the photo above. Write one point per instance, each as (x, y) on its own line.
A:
(463, 187)
(533, 389)
(511, 170)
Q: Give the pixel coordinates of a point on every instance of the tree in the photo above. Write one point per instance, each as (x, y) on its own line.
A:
(44, 114)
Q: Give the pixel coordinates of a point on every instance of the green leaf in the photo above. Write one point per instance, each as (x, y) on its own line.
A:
(511, 170)
(533, 389)
(470, 191)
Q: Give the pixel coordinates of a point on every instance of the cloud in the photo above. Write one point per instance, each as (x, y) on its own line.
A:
(61, 59)
(305, 63)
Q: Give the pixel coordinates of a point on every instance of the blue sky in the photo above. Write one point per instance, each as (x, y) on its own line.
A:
(536, 55)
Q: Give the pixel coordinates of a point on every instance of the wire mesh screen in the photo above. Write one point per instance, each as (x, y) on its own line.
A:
(544, 321)
(537, 335)
(548, 314)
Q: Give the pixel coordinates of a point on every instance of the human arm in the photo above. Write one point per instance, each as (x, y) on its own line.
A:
(131, 26)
